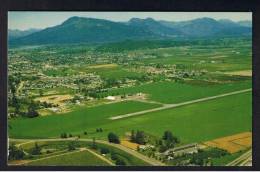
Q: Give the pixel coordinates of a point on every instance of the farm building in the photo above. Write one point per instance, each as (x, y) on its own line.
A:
(186, 149)
(110, 98)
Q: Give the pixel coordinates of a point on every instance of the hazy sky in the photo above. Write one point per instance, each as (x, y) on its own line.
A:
(27, 20)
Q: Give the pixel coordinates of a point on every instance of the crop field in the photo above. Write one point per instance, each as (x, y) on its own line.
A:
(232, 143)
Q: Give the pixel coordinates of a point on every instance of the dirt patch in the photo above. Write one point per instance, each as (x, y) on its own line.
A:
(55, 99)
(128, 144)
(103, 66)
(240, 73)
(18, 162)
(233, 143)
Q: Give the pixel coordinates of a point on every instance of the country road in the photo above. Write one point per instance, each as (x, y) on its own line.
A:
(150, 161)
(242, 160)
(169, 106)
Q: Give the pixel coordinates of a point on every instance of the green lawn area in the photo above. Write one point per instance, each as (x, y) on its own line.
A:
(76, 122)
(171, 92)
(83, 158)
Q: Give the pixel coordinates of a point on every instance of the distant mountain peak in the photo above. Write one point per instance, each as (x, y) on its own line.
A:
(92, 30)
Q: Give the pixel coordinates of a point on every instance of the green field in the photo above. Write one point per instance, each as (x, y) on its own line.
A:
(205, 120)
(76, 122)
(83, 158)
(171, 92)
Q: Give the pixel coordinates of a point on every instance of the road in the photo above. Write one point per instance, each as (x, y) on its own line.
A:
(243, 160)
(169, 106)
(67, 153)
(150, 161)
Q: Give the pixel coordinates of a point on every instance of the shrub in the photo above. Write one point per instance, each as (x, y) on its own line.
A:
(36, 150)
(113, 138)
(104, 151)
(71, 146)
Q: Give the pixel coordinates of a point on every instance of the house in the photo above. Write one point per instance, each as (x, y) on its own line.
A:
(110, 98)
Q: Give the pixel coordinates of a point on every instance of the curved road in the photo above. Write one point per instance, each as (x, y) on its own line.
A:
(168, 106)
(150, 161)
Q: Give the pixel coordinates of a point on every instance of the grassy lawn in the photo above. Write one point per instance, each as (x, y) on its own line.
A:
(171, 92)
(76, 122)
(83, 158)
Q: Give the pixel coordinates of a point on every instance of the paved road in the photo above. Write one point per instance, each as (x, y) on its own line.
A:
(242, 160)
(150, 161)
(168, 106)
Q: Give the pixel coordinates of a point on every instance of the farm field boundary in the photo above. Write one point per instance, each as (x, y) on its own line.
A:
(233, 143)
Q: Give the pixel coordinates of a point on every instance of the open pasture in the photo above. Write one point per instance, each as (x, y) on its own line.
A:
(76, 122)
(172, 92)
(205, 120)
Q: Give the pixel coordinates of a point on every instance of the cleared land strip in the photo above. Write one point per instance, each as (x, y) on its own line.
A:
(151, 161)
(168, 106)
(241, 159)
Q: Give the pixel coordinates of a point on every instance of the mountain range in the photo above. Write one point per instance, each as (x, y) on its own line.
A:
(91, 30)
(15, 33)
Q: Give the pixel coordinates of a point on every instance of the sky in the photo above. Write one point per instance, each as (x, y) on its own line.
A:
(24, 20)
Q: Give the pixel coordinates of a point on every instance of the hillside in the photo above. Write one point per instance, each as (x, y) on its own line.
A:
(90, 30)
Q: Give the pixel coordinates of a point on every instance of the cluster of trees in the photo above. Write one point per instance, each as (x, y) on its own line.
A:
(138, 137)
(71, 146)
(63, 135)
(168, 141)
(113, 138)
(36, 150)
(32, 110)
(99, 130)
(104, 150)
(15, 153)
(118, 159)
(203, 157)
